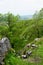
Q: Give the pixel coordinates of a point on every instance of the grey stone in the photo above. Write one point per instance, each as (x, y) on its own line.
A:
(4, 47)
(34, 45)
(36, 39)
(24, 56)
(29, 53)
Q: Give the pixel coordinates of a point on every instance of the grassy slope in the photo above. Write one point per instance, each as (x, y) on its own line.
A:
(31, 32)
(12, 60)
(27, 32)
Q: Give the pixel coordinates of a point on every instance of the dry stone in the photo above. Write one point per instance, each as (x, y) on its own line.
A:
(36, 39)
(24, 56)
(29, 53)
(34, 45)
(4, 47)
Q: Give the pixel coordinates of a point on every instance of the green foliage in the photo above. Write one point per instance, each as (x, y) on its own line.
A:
(12, 60)
(20, 33)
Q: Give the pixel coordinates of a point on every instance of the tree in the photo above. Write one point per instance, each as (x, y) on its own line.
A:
(37, 17)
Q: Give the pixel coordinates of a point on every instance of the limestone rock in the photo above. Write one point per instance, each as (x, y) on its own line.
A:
(34, 45)
(29, 53)
(24, 56)
(36, 39)
(4, 47)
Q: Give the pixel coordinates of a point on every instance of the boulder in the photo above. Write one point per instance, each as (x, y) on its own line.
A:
(29, 53)
(36, 39)
(4, 48)
(24, 56)
(34, 45)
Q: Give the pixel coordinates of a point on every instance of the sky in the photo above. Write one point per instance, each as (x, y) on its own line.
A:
(20, 7)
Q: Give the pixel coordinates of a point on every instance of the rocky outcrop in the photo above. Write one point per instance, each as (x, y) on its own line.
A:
(4, 47)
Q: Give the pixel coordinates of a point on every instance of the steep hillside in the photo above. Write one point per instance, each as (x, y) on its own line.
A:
(35, 58)
(26, 38)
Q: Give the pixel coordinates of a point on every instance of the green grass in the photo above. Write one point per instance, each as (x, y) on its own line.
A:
(11, 59)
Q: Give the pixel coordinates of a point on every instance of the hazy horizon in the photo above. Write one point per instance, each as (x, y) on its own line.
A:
(20, 7)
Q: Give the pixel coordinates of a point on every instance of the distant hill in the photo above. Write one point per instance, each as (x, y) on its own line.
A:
(26, 17)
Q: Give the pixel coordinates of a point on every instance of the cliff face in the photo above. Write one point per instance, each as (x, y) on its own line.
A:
(4, 47)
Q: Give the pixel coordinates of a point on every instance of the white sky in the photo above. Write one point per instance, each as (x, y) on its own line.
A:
(21, 7)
